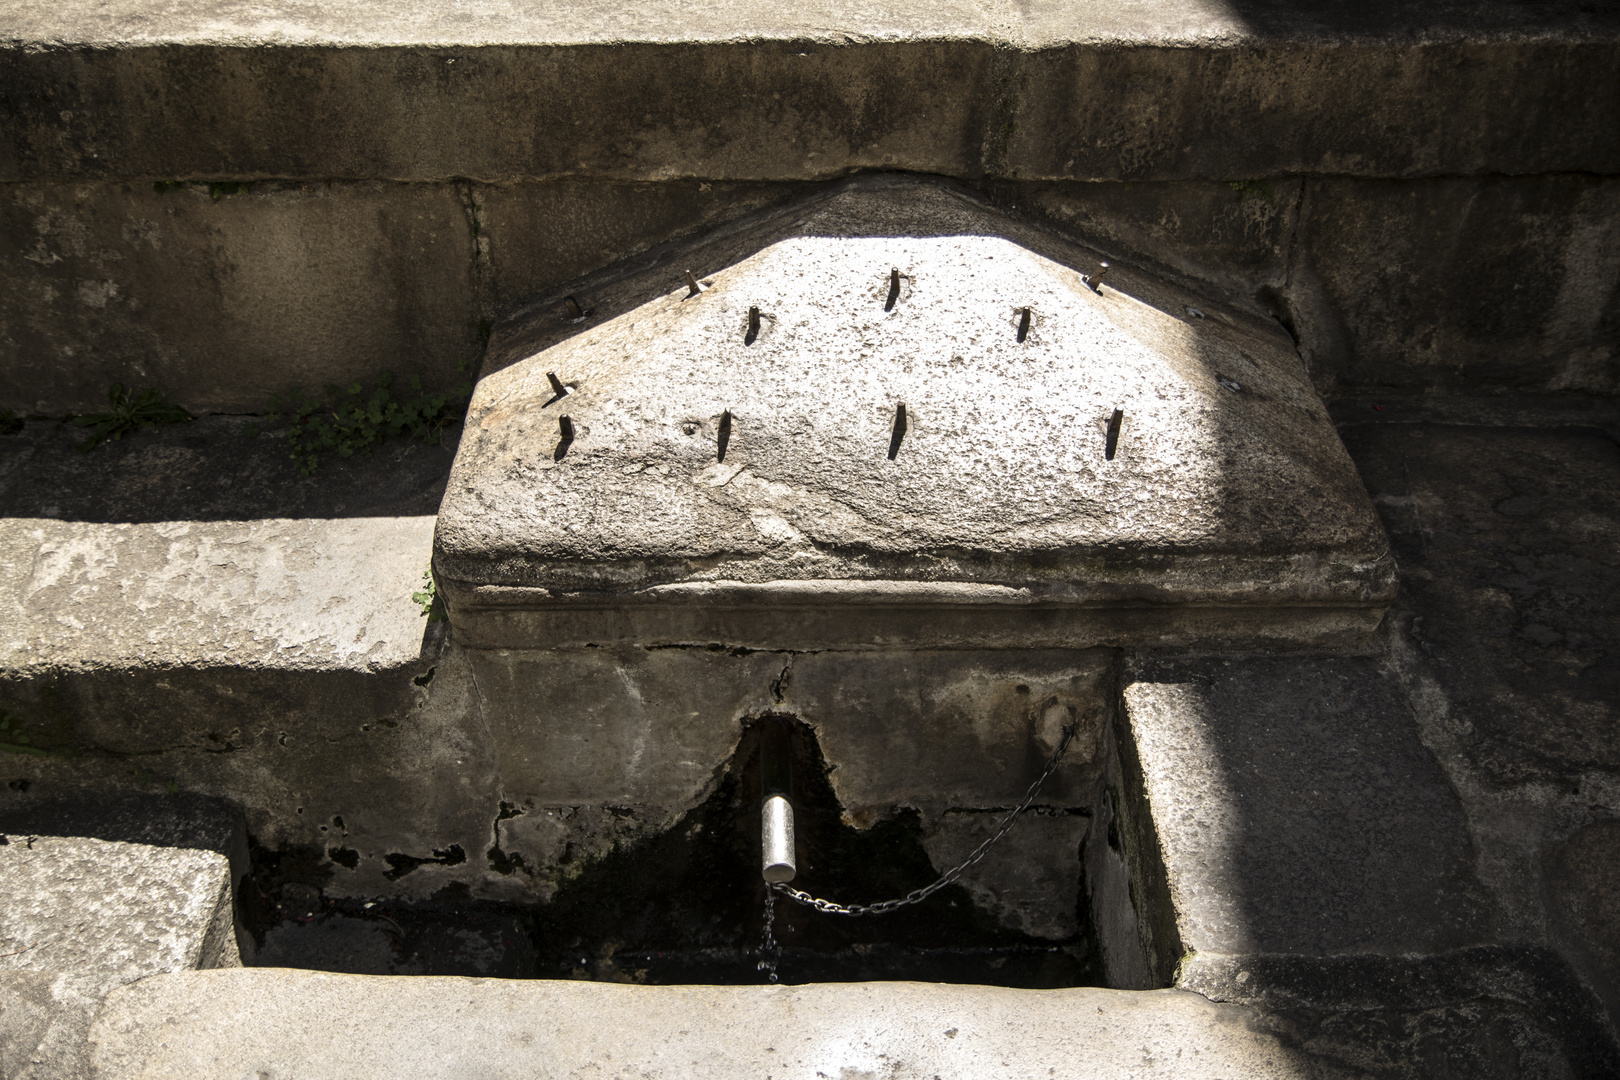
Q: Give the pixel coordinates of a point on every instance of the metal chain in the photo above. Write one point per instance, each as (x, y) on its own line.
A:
(916, 896)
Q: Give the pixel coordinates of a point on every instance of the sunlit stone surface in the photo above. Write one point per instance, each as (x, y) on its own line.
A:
(732, 464)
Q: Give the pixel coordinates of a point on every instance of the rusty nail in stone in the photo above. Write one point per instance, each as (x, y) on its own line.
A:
(1095, 278)
(574, 310)
(557, 386)
(725, 434)
(1023, 326)
(693, 284)
(753, 328)
(565, 437)
(899, 430)
(894, 289)
(1113, 434)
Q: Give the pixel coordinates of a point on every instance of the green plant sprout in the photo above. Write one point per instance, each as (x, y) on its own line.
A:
(351, 421)
(131, 411)
(427, 598)
(1258, 188)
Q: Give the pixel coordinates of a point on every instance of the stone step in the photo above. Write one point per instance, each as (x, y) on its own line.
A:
(878, 85)
(187, 612)
(80, 916)
(278, 1024)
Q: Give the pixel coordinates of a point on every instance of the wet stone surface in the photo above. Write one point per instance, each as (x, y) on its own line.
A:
(383, 938)
(687, 905)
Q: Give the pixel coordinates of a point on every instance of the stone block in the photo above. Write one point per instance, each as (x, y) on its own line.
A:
(188, 614)
(1298, 812)
(716, 470)
(287, 594)
(222, 298)
(228, 656)
(82, 916)
(391, 217)
(180, 820)
(74, 904)
(338, 1027)
(170, 820)
(1505, 537)
(733, 91)
(170, 554)
(600, 747)
(645, 730)
(372, 783)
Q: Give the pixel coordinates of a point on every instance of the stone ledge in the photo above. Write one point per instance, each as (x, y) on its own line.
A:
(999, 22)
(300, 92)
(194, 547)
(279, 1022)
(1343, 999)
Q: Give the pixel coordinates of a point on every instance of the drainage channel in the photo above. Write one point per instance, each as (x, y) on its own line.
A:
(689, 905)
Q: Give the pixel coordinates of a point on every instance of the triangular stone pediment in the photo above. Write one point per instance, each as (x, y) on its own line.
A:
(892, 414)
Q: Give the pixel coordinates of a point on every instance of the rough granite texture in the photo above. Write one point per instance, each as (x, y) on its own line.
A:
(126, 910)
(1284, 793)
(336, 1027)
(79, 917)
(714, 474)
(279, 593)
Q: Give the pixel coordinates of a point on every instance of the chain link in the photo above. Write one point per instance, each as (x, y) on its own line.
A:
(917, 896)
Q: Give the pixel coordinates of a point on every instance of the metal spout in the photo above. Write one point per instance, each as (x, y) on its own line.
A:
(777, 860)
(776, 838)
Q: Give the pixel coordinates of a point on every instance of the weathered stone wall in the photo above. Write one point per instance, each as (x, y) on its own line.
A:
(1410, 184)
(223, 299)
